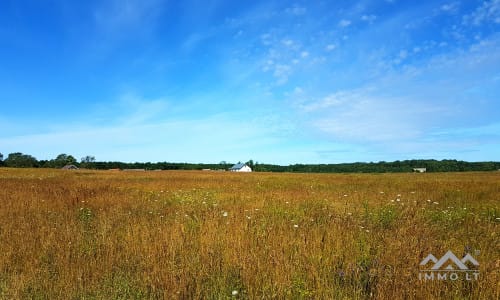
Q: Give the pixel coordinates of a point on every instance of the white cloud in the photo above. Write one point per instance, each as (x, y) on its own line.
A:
(404, 105)
(489, 11)
(359, 116)
(221, 137)
(281, 73)
(450, 7)
(368, 18)
(330, 47)
(139, 110)
(266, 39)
(194, 40)
(296, 10)
(298, 90)
(304, 54)
(328, 101)
(287, 42)
(344, 23)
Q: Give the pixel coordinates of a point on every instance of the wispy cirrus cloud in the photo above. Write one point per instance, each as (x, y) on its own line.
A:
(488, 12)
(406, 106)
(344, 23)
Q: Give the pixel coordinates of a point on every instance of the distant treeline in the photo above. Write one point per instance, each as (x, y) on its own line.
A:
(20, 160)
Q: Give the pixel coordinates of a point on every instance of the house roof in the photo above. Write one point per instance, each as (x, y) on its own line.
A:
(238, 166)
(69, 167)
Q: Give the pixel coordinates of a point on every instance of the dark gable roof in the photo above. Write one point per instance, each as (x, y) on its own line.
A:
(237, 166)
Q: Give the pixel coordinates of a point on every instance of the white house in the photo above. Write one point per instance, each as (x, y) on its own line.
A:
(240, 168)
(420, 170)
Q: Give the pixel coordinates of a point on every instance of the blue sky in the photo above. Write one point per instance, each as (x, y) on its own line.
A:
(274, 81)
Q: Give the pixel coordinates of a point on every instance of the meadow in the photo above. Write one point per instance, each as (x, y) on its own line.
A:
(220, 235)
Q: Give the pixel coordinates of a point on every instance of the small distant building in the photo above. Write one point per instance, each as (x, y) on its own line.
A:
(419, 170)
(240, 168)
(70, 167)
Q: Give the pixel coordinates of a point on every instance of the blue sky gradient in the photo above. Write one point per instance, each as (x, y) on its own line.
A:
(274, 81)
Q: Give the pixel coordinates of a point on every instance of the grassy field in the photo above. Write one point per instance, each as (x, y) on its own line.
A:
(220, 235)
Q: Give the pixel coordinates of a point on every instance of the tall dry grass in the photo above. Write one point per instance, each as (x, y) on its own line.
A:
(216, 235)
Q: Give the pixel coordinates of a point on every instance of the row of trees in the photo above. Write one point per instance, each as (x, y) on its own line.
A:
(20, 160)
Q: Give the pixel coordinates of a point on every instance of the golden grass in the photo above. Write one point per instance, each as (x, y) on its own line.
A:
(188, 235)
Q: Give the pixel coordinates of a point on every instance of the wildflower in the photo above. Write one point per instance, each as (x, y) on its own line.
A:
(224, 214)
(248, 217)
(392, 200)
(435, 202)
(367, 230)
(381, 192)
(234, 293)
(345, 195)
(428, 200)
(398, 199)
(296, 226)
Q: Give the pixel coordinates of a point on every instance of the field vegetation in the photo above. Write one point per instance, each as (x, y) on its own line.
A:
(220, 235)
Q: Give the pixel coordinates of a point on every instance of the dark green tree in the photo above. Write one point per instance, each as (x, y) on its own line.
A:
(20, 160)
(250, 164)
(88, 162)
(63, 160)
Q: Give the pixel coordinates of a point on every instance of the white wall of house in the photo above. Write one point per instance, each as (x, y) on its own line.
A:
(244, 169)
